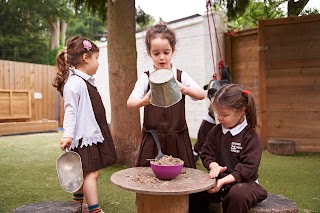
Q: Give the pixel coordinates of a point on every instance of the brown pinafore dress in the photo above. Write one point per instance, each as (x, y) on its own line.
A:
(171, 127)
(98, 155)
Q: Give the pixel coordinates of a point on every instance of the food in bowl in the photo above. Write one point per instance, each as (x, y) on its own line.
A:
(167, 168)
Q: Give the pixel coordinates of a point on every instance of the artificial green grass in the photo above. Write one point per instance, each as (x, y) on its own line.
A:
(28, 175)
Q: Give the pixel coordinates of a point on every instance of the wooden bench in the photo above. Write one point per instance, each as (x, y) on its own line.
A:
(50, 207)
(30, 127)
(273, 204)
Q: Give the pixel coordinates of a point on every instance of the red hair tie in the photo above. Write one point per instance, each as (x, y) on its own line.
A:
(245, 92)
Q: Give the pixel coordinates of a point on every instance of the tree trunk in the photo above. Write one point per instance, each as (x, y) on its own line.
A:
(63, 30)
(122, 60)
(54, 30)
(295, 7)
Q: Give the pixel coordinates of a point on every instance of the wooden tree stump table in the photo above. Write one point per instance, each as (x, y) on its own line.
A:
(50, 207)
(158, 196)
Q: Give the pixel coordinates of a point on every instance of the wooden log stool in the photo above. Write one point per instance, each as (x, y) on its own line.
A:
(281, 147)
(50, 207)
(273, 204)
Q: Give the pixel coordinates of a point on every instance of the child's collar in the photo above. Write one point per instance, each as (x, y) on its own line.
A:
(237, 129)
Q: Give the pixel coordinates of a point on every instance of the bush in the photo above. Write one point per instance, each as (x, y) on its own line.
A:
(53, 54)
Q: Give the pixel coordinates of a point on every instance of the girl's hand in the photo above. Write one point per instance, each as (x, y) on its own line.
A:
(193, 92)
(216, 187)
(215, 170)
(136, 103)
(221, 182)
(147, 98)
(182, 88)
(65, 142)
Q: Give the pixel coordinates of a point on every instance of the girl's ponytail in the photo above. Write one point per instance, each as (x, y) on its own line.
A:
(62, 68)
(251, 113)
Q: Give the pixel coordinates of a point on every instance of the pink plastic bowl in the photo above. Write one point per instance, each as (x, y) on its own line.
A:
(164, 172)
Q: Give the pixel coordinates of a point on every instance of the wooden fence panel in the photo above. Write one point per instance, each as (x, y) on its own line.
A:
(292, 64)
(37, 79)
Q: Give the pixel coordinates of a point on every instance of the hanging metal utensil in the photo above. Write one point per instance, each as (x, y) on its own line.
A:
(69, 169)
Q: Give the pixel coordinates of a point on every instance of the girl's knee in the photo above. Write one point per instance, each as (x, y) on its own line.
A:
(238, 193)
(92, 175)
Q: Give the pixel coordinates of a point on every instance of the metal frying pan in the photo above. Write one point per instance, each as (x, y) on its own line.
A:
(70, 174)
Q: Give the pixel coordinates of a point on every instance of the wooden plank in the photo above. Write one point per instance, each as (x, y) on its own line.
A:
(262, 84)
(249, 53)
(293, 50)
(28, 127)
(16, 78)
(291, 33)
(2, 74)
(49, 101)
(301, 72)
(6, 68)
(293, 63)
(301, 148)
(293, 81)
(40, 89)
(293, 128)
(32, 85)
(22, 75)
(247, 68)
(4, 103)
(299, 98)
(45, 92)
(36, 89)
(244, 41)
(12, 67)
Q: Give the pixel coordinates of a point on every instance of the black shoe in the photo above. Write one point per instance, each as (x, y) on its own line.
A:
(195, 156)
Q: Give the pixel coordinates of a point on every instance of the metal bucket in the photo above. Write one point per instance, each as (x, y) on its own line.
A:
(164, 88)
(69, 169)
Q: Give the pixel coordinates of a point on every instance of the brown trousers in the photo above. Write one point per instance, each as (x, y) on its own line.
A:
(237, 199)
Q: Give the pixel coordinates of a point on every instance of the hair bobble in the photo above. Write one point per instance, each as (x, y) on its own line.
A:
(87, 45)
(65, 51)
(245, 92)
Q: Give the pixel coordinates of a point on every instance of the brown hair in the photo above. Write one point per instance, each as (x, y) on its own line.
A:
(72, 56)
(234, 96)
(160, 31)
